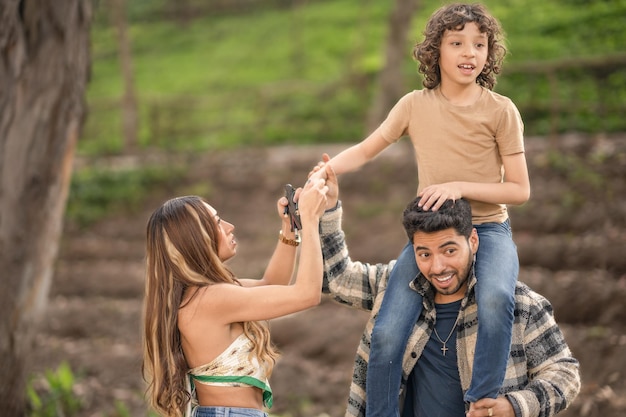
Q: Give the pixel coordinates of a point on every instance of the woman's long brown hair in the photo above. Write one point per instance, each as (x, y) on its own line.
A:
(181, 252)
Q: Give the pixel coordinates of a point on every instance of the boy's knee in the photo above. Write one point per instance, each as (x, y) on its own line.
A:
(497, 299)
(384, 334)
(387, 340)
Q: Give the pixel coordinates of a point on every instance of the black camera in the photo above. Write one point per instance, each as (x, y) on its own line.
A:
(292, 208)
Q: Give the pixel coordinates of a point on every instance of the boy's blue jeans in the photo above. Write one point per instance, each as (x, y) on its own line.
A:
(497, 268)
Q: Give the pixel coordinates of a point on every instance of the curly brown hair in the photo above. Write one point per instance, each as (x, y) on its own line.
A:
(454, 17)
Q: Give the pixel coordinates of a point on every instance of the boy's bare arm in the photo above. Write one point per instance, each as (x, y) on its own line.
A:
(356, 156)
(514, 190)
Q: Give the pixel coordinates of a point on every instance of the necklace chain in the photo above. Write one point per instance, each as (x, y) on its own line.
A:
(444, 349)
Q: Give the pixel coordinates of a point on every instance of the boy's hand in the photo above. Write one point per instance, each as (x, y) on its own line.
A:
(317, 171)
(433, 196)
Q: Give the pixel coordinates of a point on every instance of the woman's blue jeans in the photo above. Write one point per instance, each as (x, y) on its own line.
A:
(203, 411)
(497, 268)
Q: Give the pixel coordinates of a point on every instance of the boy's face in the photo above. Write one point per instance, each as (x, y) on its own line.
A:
(463, 55)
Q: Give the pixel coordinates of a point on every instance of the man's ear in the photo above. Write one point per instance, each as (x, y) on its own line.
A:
(473, 241)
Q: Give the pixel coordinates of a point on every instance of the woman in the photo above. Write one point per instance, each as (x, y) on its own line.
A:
(207, 349)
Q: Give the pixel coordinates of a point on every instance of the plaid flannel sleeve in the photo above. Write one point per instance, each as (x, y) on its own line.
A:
(553, 373)
(355, 284)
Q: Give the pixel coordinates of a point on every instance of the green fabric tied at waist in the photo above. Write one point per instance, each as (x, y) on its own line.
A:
(246, 380)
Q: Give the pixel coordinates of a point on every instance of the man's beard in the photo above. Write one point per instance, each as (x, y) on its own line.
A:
(463, 275)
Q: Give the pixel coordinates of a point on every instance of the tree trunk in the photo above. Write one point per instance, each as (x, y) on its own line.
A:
(130, 117)
(44, 55)
(391, 84)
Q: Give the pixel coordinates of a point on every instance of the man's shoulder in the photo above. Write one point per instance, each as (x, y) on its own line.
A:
(527, 297)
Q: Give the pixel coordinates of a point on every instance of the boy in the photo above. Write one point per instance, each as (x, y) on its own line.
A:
(468, 142)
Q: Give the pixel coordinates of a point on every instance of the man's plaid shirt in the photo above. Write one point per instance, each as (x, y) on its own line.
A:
(542, 377)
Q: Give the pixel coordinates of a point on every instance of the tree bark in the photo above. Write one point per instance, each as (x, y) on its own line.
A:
(391, 85)
(44, 66)
(130, 113)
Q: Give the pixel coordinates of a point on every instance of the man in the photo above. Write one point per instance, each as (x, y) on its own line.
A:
(542, 377)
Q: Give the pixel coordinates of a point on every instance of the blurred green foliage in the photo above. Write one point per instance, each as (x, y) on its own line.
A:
(96, 192)
(52, 395)
(277, 72)
(235, 73)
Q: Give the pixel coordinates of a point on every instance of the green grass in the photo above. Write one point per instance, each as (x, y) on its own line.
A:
(283, 75)
(234, 80)
(99, 192)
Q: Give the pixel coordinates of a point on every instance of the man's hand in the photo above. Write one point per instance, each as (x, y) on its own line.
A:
(332, 196)
(488, 407)
(325, 171)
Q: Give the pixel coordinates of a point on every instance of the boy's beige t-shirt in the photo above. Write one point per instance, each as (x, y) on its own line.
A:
(458, 143)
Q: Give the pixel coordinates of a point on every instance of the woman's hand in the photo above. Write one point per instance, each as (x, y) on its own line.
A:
(281, 206)
(312, 199)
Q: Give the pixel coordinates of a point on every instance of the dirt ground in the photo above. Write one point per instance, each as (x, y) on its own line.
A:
(571, 238)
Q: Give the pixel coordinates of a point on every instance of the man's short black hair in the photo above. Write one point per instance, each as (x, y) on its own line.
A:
(456, 214)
